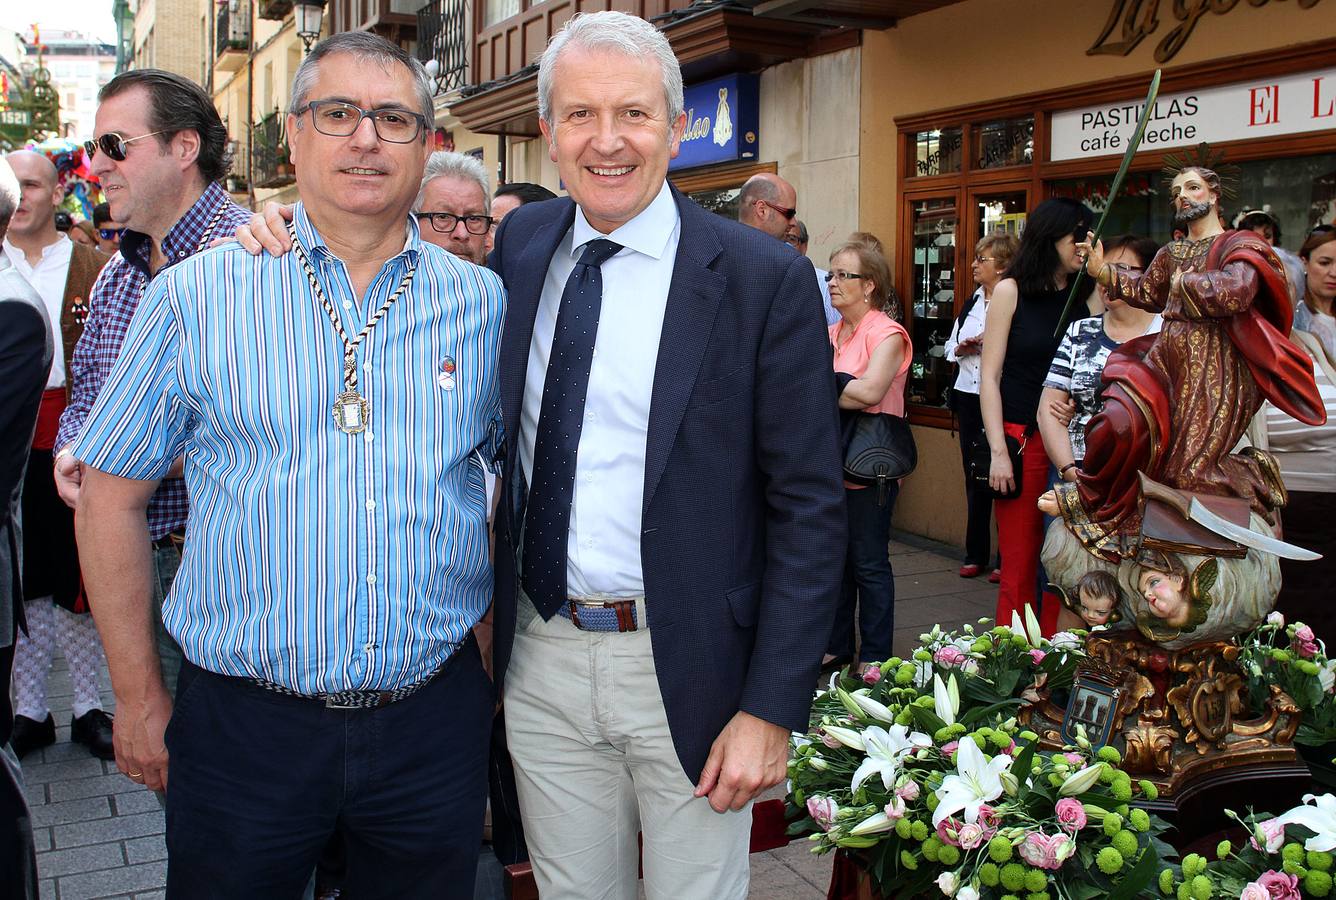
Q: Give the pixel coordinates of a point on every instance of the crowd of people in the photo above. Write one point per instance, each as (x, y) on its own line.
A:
(421, 494)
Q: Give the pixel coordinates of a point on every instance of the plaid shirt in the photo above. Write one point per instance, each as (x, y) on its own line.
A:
(112, 304)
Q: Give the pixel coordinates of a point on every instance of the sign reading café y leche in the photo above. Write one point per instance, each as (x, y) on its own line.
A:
(1293, 104)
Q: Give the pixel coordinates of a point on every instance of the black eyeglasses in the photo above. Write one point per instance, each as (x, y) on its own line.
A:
(983, 259)
(114, 145)
(445, 222)
(842, 276)
(110, 234)
(783, 211)
(338, 119)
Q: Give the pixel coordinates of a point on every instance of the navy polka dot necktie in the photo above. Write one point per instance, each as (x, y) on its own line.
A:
(548, 517)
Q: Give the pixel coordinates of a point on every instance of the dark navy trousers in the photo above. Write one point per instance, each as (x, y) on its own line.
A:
(259, 782)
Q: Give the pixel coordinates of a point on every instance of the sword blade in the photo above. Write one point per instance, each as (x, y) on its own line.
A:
(1198, 512)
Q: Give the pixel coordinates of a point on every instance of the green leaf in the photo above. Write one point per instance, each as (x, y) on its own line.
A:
(1007, 681)
(1146, 870)
(982, 712)
(927, 719)
(1021, 767)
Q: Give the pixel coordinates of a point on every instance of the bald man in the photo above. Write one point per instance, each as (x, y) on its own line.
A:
(768, 203)
(62, 273)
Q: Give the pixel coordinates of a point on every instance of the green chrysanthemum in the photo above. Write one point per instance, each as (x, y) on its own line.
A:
(989, 874)
(1109, 860)
(1125, 842)
(1223, 849)
(903, 829)
(1320, 860)
(908, 860)
(1121, 789)
(1201, 888)
(1035, 880)
(1013, 876)
(1167, 882)
(1193, 865)
(1140, 820)
(1110, 755)
(919, 830)
(1148, 790)
(948, 855)
(999, 850)
(1294, 853)
(1113, 823)
(1317, 883)
(1037, 895)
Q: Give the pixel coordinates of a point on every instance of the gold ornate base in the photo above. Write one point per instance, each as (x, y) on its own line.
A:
(1180, 715)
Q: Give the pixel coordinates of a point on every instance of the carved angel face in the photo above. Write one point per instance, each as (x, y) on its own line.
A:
(1166, 595)
(1095, 608)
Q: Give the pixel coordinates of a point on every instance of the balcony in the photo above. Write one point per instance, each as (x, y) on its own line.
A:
(394, 20)
(232, 35)
(270, 164)
(237, 183)
(274, 9)
(444, 37)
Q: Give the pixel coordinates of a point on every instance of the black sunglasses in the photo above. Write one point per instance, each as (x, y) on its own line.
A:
(782, 210)
(108, 234)
(114, 145)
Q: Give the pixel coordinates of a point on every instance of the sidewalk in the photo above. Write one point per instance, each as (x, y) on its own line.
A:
(101, 836)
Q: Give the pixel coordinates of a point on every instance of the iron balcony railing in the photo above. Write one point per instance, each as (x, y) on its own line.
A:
(232, 28)
(443, 37)
(271, 166)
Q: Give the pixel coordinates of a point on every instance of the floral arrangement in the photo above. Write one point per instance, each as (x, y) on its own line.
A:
(1291, 657)
(1267, 866)
(921, 768)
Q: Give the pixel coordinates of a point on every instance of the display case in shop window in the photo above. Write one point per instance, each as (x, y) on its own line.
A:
(936, 225)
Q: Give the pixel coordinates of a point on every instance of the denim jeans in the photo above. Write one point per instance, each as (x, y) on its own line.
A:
(869, 584)
(166, 560)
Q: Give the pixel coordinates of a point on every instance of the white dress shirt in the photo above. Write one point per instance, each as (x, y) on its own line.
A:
(831, 315)
(603, 555)
(967, 381)
(48, 279)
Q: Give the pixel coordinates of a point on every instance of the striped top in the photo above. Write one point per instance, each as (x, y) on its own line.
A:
(316, 560)
(1307, 453)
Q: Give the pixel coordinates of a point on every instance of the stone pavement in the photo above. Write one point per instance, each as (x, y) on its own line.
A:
(99, 835)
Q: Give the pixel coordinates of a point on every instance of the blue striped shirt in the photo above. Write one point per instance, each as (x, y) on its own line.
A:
(317, 560)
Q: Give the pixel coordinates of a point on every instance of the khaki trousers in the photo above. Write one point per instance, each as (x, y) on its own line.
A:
(595, 765)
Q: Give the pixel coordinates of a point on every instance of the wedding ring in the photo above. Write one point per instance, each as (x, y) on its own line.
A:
(134, 774)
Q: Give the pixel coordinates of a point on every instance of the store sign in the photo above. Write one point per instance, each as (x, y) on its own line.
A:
(1132, 21)
(1294, 104)
(722, 116)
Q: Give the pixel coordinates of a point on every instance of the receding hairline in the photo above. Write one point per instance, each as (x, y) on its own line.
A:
(45, 165)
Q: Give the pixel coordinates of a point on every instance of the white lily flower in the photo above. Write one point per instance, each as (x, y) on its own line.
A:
(945, 698)
(947, 883)
(1081, 781)
(975, 782)
(874, 824)
(885, 749)
(1319, 817)
(873, 708)
(967, 892)
(846, 736)
(1326, 676)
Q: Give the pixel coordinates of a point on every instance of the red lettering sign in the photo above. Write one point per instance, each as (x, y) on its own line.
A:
(1317, 102)
(1264, 105)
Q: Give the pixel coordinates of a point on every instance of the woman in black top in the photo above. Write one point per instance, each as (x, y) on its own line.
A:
(1022, 328)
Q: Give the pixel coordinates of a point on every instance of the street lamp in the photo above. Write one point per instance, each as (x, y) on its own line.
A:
(307, 16)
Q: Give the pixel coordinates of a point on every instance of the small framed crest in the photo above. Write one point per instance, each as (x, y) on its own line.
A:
(1093, 706)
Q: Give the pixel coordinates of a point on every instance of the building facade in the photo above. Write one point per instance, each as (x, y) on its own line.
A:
(171, 35)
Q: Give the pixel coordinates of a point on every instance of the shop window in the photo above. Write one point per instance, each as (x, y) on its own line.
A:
(937, 152)
(717, 187)
(936, 223)
(1009, 142)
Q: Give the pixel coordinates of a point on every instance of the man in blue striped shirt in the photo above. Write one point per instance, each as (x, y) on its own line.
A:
(335, 408)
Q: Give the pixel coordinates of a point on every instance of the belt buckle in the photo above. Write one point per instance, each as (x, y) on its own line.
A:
(334, 701)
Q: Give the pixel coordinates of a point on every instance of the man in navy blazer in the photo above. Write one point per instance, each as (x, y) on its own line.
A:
(653, 684)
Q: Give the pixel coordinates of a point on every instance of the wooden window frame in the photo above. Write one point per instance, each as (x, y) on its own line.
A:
(714, 178)
(1041, 172)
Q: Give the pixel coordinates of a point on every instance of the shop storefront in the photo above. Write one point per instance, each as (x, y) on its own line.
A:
(994, 111)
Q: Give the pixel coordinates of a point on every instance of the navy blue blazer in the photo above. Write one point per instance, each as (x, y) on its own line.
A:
(743, 533)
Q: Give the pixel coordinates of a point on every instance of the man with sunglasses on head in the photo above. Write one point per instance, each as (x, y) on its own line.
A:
(160, 151)
(63, 273)
(335, 409)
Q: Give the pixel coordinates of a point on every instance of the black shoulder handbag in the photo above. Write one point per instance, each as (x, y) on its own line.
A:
(879, 449)
(981, 460)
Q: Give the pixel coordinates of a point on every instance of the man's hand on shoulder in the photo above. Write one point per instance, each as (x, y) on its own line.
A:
(749, 756)
(267, 231)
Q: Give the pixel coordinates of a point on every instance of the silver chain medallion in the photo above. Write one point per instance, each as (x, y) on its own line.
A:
(350, 412)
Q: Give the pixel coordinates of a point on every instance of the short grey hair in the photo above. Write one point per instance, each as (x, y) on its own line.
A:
(628, 35)
(365, 47)
(448, 164)
(9, 193)
(757, 188)
(802, 231)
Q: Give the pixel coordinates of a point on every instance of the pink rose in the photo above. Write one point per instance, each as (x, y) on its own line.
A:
(1304, 641)
(1254, 891)
(895, 810)
(1071, 814)
(823, 811)
(950, 747)
(1275, 618)
(971, 837)
(949, 656)
(1037, 656)
(909, 791)
(872, 674)
(1272, 832)
(1075, 759)
(989, 818)
(1280, 886)
(830, 741)
(1045, 851)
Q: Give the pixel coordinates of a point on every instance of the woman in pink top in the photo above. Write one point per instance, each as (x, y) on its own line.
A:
(872, 356)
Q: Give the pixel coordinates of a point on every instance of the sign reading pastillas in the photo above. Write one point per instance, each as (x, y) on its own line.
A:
(1294, 104)
(722, 117)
